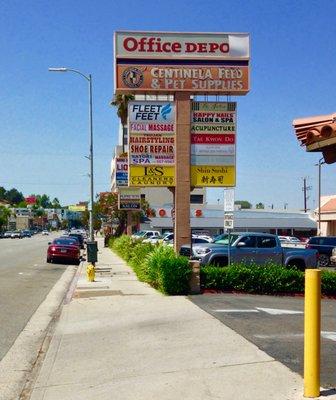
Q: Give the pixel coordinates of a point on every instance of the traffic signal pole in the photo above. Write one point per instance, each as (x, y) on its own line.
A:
(182, 232)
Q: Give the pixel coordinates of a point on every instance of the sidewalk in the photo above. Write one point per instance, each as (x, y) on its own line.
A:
(120, 339)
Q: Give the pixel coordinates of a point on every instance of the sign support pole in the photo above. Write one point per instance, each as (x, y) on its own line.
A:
(182, 231)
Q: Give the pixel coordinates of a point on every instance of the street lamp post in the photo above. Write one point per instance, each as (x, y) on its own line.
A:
(320, 162)
(90, 157)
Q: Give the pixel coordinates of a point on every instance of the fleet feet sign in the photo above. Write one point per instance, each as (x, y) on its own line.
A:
(151, 130)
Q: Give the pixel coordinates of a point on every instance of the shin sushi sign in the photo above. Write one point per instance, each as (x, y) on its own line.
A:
(203, 63)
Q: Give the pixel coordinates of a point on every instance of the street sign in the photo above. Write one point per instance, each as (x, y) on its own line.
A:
(228, 221)
(228, 200)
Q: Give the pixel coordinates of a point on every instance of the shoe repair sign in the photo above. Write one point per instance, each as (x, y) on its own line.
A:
(151, 156)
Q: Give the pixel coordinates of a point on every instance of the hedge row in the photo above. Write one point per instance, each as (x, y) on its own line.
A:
(262, 279)
(157, 265)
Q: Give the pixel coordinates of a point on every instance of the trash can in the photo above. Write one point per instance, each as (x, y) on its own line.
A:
(91, 251)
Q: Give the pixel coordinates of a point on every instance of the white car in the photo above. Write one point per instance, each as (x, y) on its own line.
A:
(45, 232)
(146, 235)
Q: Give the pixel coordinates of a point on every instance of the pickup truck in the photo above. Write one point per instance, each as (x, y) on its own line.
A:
(250, 247)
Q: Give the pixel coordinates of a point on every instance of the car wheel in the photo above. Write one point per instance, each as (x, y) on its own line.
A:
(323, 260)
(48, 260)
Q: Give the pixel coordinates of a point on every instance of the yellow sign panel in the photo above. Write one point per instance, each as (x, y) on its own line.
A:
(77, 208)
(151, 176)
(213, 176)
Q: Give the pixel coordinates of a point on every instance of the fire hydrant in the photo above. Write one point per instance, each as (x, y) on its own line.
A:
(90, 272)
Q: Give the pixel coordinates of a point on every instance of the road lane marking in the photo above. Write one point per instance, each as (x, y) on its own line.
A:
(276, 311)
(280, 336)
(236, 311)
(329, 335)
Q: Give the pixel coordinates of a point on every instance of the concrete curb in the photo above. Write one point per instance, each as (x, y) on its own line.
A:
(22, 356)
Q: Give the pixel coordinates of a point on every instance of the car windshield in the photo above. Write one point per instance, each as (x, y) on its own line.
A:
(64, 242)
(70, 239)
(224, 239)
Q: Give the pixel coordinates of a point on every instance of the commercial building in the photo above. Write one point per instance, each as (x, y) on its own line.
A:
(210, 219)
(328, 215)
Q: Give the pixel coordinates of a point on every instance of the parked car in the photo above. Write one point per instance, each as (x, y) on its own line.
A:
(195, 240)
(333, 257)
(7, 235)
(146, 235)
(251, 247)
(324, 245)
(71, 240)
(45, 232)
(26, 233)
(16, 235)
(79, 237)
(62, 249)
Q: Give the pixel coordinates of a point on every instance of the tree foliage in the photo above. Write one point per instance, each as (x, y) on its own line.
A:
(244, 204)
(121, 102)
(4, 215)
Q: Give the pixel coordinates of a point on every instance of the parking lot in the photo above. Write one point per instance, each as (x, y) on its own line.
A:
(275, 325)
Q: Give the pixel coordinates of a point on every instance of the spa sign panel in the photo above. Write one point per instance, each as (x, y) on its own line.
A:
(151, 127)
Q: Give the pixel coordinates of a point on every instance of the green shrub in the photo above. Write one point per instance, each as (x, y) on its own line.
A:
(263, 279)
(168, 272)
(328, 283)
(139, 254)
(154, 261)
(122, 246)
(157, 265)
(174, 276)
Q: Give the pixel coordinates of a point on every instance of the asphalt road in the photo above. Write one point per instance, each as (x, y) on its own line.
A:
(275, 325)
(25, 281)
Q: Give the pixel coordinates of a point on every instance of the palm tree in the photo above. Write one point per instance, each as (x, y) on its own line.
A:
(121, 101)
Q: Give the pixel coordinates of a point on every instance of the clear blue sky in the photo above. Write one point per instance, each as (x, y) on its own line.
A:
(44, 116)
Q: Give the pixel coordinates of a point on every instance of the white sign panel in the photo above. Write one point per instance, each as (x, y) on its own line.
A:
(186, 45)
(143, 159)
(228, 200)
(213, 149)
(228, 221)
(151, 113)
(213, 160)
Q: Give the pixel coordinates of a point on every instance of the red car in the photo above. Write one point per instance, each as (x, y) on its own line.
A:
(64, 249)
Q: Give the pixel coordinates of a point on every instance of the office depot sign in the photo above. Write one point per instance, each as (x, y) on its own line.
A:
(228, 46)
(167, 62)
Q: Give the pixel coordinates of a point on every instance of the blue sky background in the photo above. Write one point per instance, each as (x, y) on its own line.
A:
(44, 116)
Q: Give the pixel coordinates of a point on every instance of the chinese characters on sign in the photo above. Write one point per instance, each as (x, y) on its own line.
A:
(213, 144)
(151, 143)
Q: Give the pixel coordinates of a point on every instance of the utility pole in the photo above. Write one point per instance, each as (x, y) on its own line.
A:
(321, 162)
(305, 189)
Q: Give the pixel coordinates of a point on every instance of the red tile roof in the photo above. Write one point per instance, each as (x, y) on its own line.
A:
(303, 125)
(329, 206)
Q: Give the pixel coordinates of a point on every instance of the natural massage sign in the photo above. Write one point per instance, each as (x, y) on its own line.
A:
(202, 63)
(151, 130)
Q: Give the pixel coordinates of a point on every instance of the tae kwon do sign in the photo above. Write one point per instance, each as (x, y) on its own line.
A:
(151, 130)
(129, 199)
(203, 63)
(213, 144)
